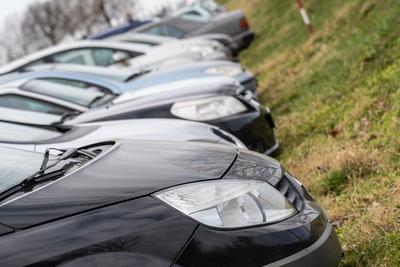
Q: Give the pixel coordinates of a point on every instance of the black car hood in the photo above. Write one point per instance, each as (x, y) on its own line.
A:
(155, 99)
(131, 170)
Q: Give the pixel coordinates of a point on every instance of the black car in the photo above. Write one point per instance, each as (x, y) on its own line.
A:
(216, 100)
(157, 203)
(219, 101)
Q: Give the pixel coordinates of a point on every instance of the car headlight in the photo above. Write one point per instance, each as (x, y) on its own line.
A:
(231, 71)
(229, 203)
(208, 108)
(203, 50)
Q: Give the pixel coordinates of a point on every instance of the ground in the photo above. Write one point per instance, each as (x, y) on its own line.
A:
(335, 96)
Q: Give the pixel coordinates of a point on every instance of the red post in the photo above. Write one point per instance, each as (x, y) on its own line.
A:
(304, 15)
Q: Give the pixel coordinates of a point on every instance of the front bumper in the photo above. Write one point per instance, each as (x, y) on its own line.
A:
(248, 81)
(253, 129)
(305, 239)
(218, 55)
(324, 252)
(244, 39)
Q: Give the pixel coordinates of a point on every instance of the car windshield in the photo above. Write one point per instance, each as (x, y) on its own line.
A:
(17, 165)
(18, 133)
(76, 95)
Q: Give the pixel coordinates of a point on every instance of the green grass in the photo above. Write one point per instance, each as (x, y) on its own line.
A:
(336, 100)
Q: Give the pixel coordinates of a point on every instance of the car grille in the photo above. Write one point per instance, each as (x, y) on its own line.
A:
(289, 191)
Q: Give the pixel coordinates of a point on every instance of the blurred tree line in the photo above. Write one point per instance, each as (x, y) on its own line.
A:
(47, 23)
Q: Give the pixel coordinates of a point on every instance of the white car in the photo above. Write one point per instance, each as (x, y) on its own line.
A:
(208, 47)
(117, 54)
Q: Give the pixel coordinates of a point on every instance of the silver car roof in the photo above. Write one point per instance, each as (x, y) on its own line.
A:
(141, 37)
(113, 73)
(178, 85)
(69, 46)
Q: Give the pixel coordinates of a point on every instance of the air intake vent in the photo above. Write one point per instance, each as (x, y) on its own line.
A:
(288, 190)
(100, 147)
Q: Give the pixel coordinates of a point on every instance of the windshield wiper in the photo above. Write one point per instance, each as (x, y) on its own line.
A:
(97, 98)
(137, 75)
(41, 176)
(67, 115)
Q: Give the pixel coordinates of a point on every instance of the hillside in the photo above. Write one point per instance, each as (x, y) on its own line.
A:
(336, 100)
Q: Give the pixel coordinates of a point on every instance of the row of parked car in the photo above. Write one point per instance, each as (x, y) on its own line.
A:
(149, 148)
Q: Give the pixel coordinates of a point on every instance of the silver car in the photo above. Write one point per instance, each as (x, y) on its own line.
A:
(36, 138)
(115, 54)
(205, 44)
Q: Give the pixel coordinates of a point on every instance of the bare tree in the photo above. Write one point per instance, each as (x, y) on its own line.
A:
(47, 23)
(12, 41)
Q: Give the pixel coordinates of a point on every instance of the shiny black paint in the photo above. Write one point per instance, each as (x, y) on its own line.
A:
(253, 246)
(5, 230)
(103, 215)
(140, 231)
(131, 170)
(256, 246)
(251, 127)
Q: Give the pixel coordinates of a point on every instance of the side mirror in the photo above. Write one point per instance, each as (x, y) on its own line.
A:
(120, 56)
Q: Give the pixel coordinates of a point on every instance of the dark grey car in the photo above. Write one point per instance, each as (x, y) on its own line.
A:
(198, 20)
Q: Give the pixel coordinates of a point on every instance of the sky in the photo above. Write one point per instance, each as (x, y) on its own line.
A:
(11, 7)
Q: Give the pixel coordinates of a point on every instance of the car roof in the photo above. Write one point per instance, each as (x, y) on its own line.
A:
(129, 25)
(180, 85)
(132, 36)
(47, 94)
(112, 73)
(12, 66)
(18, 78)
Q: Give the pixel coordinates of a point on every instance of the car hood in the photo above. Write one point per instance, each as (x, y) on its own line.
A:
(176, 73)
(128, 170)
(128, 105)
(162, 55)
(140, 129)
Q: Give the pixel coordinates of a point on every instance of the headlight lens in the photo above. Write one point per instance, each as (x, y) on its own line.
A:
(204, 50)
(230, 71)
(229, 203)
(208, 108)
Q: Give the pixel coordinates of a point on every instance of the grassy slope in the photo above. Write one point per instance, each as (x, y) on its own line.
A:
(336, 99)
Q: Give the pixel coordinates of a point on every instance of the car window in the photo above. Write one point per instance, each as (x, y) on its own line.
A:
(174, 32)
(75, 83)
(17, 165)
(104, 57)
(31, 104)
(193, 13)
(196, 13)
(76, 56)
(68, 93)
(12, 132)
(156, 30)
(149, 43)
